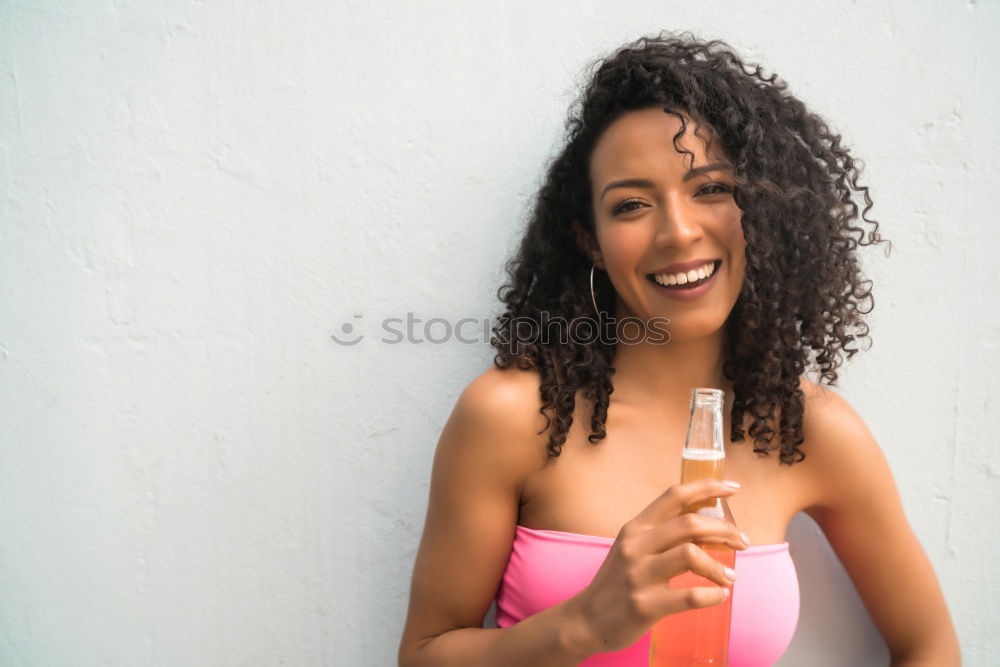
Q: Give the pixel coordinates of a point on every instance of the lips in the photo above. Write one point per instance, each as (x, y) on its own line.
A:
(679, 267)
(689, 291)
(716, 264)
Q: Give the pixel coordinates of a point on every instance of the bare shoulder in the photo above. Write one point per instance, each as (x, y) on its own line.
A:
(832, 427)
(842, 456)
(504, 388)
(499, 419)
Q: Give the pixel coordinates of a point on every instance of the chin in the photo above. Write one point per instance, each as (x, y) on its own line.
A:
(688, 328)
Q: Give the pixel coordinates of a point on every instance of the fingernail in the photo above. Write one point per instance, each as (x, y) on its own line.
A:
(725, 593)
(731, 483)
(745, 538)
(730, 573)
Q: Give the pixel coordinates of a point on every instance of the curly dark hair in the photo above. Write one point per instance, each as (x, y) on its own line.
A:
(803, 292)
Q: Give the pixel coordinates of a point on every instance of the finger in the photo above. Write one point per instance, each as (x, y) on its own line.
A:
(671, 601)
(691, 527)
(672, 501)
(688, 557)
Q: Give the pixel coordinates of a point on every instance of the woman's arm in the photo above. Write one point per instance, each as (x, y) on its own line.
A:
(857, 505)
(489, 445)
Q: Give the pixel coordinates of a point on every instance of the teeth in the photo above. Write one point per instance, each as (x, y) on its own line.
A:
(683, 278)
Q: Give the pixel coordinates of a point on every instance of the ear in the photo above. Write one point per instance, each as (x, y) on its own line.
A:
(586, 243)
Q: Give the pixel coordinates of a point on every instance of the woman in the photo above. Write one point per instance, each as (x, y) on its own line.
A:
(697, 198)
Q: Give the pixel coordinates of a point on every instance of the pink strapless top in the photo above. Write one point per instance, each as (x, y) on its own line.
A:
(549, 566)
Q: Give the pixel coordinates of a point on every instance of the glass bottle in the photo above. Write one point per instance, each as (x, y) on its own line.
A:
(699, 636)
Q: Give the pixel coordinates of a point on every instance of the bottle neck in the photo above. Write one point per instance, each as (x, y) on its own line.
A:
(704, 431)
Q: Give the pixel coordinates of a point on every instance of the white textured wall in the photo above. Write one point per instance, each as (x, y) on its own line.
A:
(195, 195)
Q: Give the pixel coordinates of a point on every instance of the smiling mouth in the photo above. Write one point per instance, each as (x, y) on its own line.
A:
(689, 285)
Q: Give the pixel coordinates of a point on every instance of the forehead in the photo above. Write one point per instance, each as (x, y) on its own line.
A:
(640, 141)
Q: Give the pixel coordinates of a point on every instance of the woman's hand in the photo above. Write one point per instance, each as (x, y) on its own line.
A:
(629, 593)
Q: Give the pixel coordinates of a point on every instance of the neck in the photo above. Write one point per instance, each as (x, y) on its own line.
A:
(665, 373)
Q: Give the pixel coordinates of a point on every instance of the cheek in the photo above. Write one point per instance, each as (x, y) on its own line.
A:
(737, 244)
(732, 226)
(623, 248)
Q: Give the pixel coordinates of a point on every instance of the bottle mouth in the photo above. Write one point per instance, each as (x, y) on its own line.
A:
(702, 394)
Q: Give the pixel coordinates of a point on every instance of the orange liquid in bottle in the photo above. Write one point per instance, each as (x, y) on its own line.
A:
(697, 636)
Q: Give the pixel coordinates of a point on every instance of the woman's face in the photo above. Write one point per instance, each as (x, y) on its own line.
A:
(651, 212)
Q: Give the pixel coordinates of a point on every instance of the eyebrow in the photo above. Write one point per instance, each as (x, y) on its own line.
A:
(643, 183)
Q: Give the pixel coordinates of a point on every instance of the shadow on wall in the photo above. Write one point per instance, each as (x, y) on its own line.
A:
(834, 628)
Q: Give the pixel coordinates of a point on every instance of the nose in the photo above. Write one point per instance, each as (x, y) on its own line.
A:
(677, 226)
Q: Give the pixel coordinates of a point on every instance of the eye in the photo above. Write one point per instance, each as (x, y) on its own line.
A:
(623, 206)
(713, 188)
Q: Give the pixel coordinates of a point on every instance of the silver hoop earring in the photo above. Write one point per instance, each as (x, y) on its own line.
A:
(593, 299)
